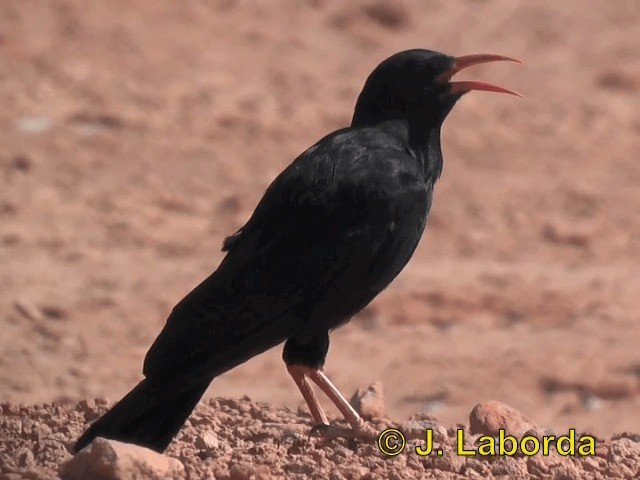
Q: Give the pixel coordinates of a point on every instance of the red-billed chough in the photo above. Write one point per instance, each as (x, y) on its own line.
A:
(331, 232)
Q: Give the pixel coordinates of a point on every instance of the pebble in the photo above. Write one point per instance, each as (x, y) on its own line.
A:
(369, 402)
(489, 417)
(112, 460)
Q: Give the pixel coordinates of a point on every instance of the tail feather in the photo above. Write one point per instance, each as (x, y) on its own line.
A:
(145, 416)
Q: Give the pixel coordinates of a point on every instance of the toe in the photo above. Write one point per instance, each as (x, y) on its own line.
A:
(320, 429)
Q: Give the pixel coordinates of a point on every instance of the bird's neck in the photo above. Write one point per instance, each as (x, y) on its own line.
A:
(433, 149)
(422, 141)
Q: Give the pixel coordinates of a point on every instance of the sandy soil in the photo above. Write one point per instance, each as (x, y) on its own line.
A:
(230, 439)
(135, 135)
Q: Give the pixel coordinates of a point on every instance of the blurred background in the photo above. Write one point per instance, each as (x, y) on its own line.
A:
(136, 135)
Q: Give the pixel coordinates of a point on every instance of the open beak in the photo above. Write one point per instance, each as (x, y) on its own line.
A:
(466, 61)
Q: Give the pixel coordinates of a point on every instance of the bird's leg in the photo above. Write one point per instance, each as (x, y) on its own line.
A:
(336, 397)
(299, 375)
(304, 358)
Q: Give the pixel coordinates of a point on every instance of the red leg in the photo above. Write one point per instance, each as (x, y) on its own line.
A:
(336, 397)
(298, 373)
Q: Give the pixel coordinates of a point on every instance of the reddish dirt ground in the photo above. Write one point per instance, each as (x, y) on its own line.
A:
(134, 136)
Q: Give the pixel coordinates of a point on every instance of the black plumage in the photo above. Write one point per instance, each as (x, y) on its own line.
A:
(331, 232)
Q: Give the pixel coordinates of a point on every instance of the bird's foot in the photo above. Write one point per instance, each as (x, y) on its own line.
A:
(320, 429)
(330, 432)
(362, 431)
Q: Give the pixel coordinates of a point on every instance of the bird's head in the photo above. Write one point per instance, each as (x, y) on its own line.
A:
(416, 85)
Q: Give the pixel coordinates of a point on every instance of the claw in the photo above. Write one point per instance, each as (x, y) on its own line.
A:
(332, 432)
(320, 428)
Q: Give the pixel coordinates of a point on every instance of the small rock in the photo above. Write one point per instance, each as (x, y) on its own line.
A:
(34, 125)
(241, 471)
(489, 417)
(25, 458)
(565, 471)
(590, 464)
(12, 476)
(504, 467)
(28, 310)
(369, 402)
(417, 425)
(631, 436)
(263, 472)
(448, 462)
(623, 448)
(354, 472)
(10, 408)
(112, 460)
(207, 441)
(92, 409)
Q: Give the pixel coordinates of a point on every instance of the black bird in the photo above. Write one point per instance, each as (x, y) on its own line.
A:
(331, 232)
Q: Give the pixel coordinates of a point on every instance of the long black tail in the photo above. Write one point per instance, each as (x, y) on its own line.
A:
(145, 417)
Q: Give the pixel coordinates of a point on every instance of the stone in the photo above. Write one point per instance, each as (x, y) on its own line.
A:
(489, 417)
(207, 441)
(369, 402)
(112, 460)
